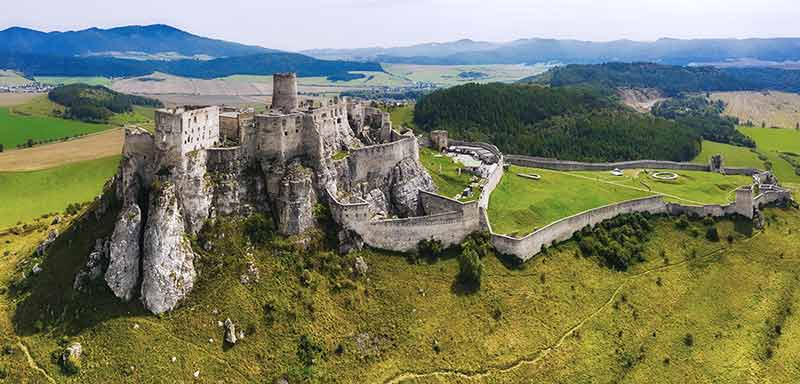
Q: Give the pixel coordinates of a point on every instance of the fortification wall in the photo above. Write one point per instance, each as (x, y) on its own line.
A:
(224, 159)
(740, 171)
(434, 204)
(184, 130)
(378, 160)
(713, 210)
(350, 215)
(561, 165)
(768, 197)
(489, 147)
(491, 184)
(403, 235)
(279, 136)
(528, 246)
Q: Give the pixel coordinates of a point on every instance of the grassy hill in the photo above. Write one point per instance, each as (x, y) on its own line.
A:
(16, 129)
(674, 317)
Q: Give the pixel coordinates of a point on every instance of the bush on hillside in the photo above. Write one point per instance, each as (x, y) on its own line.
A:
(430, 249)
(470, 267)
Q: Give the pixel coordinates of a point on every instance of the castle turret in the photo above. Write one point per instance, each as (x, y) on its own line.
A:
(284, 92)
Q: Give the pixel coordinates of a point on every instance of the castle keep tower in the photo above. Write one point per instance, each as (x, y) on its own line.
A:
(187, 129)
(284, 92)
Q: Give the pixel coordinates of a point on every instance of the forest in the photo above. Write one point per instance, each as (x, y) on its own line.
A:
(705, 117)
(96, 104)
(570, 123)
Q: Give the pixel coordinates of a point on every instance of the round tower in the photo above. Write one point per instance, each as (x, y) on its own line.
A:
(284, 92)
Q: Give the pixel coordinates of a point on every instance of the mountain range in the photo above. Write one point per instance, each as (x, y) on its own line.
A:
(528, 51)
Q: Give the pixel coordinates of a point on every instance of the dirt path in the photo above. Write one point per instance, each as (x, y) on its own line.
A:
(90, 147)
(32, 363)
(467, 375)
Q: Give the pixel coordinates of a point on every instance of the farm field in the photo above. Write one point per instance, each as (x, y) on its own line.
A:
(675, 316)
(27, 195)
(444, 172)
(90, 147)
(773, 142)
(733, 156)
(448, 75)
(12, 99)
(520, 205)
(56, 80)
(11, 78)
(778, 109)
(17, 129)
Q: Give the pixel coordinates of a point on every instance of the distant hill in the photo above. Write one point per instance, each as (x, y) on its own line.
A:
(96, 104)
(260, 64)
(665, 51)
(150, 39)
(672, 80)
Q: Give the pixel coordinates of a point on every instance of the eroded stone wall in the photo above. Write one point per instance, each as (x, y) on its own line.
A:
(562, 165)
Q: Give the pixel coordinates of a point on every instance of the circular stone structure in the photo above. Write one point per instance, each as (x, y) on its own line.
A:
(665, 176)
(531, 176)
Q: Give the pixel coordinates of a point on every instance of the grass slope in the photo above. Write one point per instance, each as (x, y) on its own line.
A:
(59, 80)
(772, 108)
(520, 205)
(11, 78)
(773, 142)
(732, 155)
(27, 195)
(562, 318)
(444, 172)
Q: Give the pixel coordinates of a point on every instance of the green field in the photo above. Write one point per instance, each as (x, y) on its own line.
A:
(17, 129)
(444, 172)
(448, 75)
(27, 195)
(520, 205)
(772, 142)
(402, 116)
(141, 116)
(12, 78)
(732, 155)
(562, 318)
(55, 80)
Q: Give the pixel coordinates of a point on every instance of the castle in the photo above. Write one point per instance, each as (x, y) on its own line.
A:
(206, 162)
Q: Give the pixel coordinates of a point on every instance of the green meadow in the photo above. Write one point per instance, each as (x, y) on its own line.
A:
(444, 172)
(18, 129)
(59, 80)
(772, 142)
(27, 195)
(733, 156)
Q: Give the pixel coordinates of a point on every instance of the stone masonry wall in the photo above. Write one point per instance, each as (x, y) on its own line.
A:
(378, 160)
(561, 165)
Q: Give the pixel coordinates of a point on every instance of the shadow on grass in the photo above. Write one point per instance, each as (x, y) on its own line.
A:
(460, 288)
(48, 298)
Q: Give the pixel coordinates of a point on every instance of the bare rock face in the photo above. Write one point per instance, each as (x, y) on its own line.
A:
(295, 202)
(94, 268)
(168, 272)
(377, 202)
(407, 178)
(230, 332)
(123, 271)
(194, 190)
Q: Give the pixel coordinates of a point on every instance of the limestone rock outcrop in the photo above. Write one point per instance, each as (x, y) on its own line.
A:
(168, 272)
(407, 179)
(194, 191)
(295, 201)
(123, 273)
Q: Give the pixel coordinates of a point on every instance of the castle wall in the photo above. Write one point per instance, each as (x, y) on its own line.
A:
(768, 197)
(562, 165)
(528, 246)
(278, 136)
(225, 160)
(378, 160)
(403, 235)
(185, 130)
(740, 171)
(284, 92)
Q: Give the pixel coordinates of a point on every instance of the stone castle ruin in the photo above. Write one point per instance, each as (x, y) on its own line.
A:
(205, 162)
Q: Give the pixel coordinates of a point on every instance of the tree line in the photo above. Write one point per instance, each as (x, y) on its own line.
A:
(96, 104)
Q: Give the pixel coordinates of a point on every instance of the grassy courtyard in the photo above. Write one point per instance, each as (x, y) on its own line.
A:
(773, 142)
(520, 205)
(444, 172)
(27, 195)
(733, 156)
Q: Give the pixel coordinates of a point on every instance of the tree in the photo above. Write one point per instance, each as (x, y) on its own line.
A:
(712, 234)
(470, 267)
(1, 148)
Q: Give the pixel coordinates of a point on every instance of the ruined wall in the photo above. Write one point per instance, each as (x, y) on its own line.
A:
(377, 161)
(740, 171)
(528, 246)
(771, 196)
(224, 159)
(561, 165)
(184, 130)
(403, 235)
(278, 136)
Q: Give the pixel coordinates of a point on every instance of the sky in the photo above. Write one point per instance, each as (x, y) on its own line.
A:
(304, 24)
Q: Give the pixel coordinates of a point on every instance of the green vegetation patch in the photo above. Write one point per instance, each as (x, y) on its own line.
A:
(733, 156)
(519, 205)
(773, 142)
(18, 130)
(444, 172)
(97, 104)
(60, 80)
(27, 195)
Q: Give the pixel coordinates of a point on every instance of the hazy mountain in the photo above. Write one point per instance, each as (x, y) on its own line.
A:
(151, 39)
(667, 51)
(431, 50)
(260, 64)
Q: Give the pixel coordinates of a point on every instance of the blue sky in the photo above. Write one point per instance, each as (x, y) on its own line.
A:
(304, 24)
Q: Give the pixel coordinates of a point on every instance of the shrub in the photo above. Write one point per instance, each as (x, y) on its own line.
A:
(712, 234)
(258, 228)
(708, 220)
(308, 352)
(71, 365)
(682, 222)
(688, 340)
(470, 267)
(430, 249)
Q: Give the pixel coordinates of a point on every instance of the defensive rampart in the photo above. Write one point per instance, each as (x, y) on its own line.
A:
(563, 165)
(378, 160)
